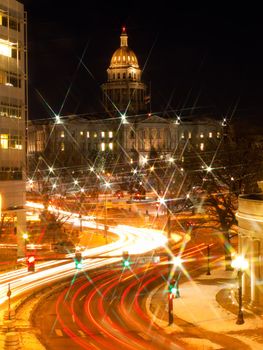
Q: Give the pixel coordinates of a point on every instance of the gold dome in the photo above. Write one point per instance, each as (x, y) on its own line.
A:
(124, 56)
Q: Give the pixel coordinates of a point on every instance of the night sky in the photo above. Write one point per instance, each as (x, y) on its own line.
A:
(194, 55)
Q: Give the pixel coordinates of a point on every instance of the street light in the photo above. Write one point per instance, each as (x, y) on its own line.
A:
(173, 284)
(107, 186)
(240, 264)
(177, 261)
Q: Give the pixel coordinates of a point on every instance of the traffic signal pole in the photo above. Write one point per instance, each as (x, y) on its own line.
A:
(105, 218)
(169, 256)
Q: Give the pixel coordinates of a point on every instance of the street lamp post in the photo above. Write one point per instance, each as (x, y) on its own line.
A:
(240, 316)
(170, 299)
(177, 292)
(25, 236)
(105, 219)
(9, 301)
(107, 185)
(240, 264)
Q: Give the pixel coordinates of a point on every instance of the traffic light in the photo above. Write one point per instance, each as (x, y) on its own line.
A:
(173, 289)
(125, 259)
(31, 263)
(78, 260)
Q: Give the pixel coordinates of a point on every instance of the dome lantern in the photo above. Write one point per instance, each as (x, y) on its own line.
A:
(124, 38)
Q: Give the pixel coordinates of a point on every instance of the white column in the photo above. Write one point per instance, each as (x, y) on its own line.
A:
(255, 270)
(245, 251)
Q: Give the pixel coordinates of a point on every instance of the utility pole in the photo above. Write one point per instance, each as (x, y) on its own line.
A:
(169, 257)
(9, 301)
(105, 218)
(208, 260)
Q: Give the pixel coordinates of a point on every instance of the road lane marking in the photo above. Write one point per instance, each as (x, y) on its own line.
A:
(144, 336)
(82, 334)
(59, 332)
(95, 346)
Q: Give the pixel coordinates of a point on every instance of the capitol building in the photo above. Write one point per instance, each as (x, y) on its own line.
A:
(126, 133)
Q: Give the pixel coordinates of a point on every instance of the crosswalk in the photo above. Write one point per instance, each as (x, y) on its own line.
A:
(79, 333)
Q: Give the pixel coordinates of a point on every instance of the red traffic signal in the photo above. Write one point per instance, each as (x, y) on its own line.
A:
(31, 263)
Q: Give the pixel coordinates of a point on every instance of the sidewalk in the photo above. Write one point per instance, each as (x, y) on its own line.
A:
(205, 315)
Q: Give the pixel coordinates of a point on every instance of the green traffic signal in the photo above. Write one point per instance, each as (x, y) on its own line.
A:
(78, 265)
(173, 290)
(125, 259)
(172, 287)
(78, 260)
(126, 263)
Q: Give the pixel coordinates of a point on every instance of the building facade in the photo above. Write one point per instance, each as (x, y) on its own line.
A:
(77, 144)
(250, 222)
(13, 113)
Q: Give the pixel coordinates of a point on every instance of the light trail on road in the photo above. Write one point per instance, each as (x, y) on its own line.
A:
(132, 239)
(113, 317)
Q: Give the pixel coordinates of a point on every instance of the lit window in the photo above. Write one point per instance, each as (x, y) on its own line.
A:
(102, 146)
(182, 136)
(111, 146)
(10, 111)
(5, 48)
(202, 146)
(210, 135)
(81, 133)
(119, 58)
(218, 134)
(189, 135)
(62, 134)
(102, 134)
(110, 134)
(4, 141)
(123, 58)
(95, 135)
(88, 134)
(10, 79)
(62, 146)
(129, 58)
(15, 142)
(201, 135)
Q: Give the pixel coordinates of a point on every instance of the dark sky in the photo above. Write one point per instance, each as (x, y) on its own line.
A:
(193, 55)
